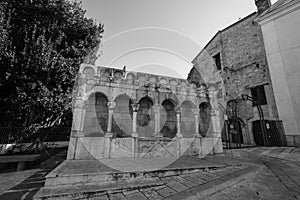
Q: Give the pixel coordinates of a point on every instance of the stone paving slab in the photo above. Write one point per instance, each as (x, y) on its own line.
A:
(8, 180)
(215, 185)
(25, 184)
(286, 153)
(262, 186)
(277, 182)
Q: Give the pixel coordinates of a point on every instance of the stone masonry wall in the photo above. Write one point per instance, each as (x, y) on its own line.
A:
(244, 66)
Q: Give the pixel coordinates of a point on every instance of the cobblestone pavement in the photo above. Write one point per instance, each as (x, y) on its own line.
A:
(279, 178)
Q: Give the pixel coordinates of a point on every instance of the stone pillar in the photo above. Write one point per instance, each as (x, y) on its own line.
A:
(196, 114)
(215, 118)
(134, 134)
(109, 134)
(78, 118)
(178, 117)
(77, 127)
(157, 121)
(135, 108)
(111, 106)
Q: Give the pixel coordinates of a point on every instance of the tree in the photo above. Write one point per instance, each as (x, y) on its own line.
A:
(42, 43)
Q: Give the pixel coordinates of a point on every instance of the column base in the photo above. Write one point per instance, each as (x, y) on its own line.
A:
(179, 135)
(197, 135)
(160, 135)
(75, 133)
(109, 135)
(135, 135)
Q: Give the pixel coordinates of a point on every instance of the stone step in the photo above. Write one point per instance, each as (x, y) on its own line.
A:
(84, 179)
(96, 191)
(70, 173)
(91, 190)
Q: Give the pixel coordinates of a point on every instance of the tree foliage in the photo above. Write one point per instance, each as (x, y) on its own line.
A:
(42, 43)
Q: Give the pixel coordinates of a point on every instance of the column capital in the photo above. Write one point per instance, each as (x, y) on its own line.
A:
(214, 112)
(80, 104)
(178, 109)
(156, 107)
(111, 105)
(135, 107)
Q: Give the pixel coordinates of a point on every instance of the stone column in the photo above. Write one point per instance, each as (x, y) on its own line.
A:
(178, 117)
(196, 114)
(157, 121)
(111, 106)
(135, 108)
(109, 134)
(215, 118)
(134, 134)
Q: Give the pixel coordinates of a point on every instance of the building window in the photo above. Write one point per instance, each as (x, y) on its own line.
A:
(259, 95)
(217, 59)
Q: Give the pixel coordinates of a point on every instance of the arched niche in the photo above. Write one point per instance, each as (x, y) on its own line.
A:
(204, 119)
(118, 75)
(187, 119)
(145, 117)
(130, 78)
(122, 116)
(96, 115)
(89, 72)
(169, 128)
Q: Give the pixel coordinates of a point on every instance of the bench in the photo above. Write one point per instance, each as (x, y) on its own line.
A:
(20, 159)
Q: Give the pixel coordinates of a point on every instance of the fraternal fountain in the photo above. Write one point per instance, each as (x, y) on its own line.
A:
(129, 116)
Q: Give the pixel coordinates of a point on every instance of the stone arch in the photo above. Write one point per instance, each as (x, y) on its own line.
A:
(205, 119)
(142, 78)
(168, 116)
(145, 117)
(130, 78)
(93, 92)
(188, 104)
(187, 119)
(118, 74)
(153, 79)
(171, 97)
(96, 115)
(104, 75)
(122, 116)
(89, 72)
(163, 81)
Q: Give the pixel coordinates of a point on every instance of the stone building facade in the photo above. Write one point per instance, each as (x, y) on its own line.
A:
(234, 60)
(132, 114)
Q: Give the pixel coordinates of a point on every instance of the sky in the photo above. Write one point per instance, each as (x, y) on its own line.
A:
(160, 36)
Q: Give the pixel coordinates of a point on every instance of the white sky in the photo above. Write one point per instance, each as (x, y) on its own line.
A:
(161, 36)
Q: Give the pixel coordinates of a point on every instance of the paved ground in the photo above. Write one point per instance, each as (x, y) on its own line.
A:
(278, 178)
(25, 184)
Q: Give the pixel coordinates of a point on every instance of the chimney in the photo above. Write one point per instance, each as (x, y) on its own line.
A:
(262, 5)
